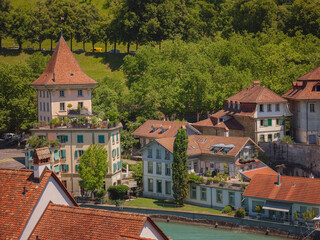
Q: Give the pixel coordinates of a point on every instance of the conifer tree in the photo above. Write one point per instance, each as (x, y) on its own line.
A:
(180, 168)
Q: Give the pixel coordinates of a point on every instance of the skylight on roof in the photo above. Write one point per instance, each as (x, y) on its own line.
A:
(204, 140)
(163, 130)
(198, 139)
(194, 147)
(153, 130)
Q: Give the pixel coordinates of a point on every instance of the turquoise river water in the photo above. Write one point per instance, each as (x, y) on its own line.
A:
(178, 231)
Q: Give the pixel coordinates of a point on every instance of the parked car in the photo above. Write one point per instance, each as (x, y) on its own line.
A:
(8, 136)
(96, 50)
(112, 51)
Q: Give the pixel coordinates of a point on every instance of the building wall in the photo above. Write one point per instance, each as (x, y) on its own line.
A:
(51, 193)
(149, 232)
(249, 125)
(44, 106)
(70, 97)
(72, 154)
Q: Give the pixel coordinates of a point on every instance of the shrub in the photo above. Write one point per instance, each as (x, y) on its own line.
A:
(287, 139)
(56, 121)
(101, 193)
(215, 180)
(258, 209)
(208, 174)
(227, 209)
(118, 192)
(209, 180)
(240, 213)
(196, 179)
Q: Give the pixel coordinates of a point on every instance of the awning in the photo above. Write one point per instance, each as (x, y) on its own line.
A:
(281, 207)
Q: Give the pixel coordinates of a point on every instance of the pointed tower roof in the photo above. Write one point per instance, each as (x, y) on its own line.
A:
(63, 69)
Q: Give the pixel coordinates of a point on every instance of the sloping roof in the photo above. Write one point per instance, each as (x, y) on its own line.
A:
(313, 75)
(41, 153)
(203, 144)
(212, 121)
(303, 90)
(15, 208)
(67, 222)
(264, 170)
(159, 129)
(291, 189)
(63, 69)
(256, 94)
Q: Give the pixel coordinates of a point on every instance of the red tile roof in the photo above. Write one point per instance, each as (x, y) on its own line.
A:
(264, 170)
(256, 94)
(63, 69)
(313, 75)
(213, 121)
(16, 207)
(291, 189)
(303, 90)
(159, 129)
(65, 222)
(202, 144)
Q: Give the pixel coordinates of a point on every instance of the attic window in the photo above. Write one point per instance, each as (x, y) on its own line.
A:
(163, 130)
(193, 147)
(153, 130)
(220, 119)
(198, 139)
(216, 149)
(204, 140)
(71, 74)
(316, 88)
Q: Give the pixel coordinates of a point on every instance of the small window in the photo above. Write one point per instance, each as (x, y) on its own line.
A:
(261, 108)
(63, 154)
(278, 122)
(158, 156)
(112, 138)
(44, 107)
(149, 153)
(269, 108)
(269, 137)
(261, 123)
(40, 118)
(80, 93)
(167, 155)
(159, 186)
(150, 167)
(277, 107)
(81, 152)
(44, 94)
(80, 105)
(47, 94)
(47, 107)
(265, 122)
(61, 93)
(40, 93)
(44, 118)
(117, 137)
(62, 108)
(168, 169)
(62, 138)
(231, 198)
(40, 106)
(311, 107)
(203, 194)
(150, 185)
(193, 192)
(219, 196)
(101, 138)
(158, 168)
(168, 187)
(80, 139)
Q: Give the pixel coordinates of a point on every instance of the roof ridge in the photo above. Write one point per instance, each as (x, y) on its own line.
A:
(15, 169)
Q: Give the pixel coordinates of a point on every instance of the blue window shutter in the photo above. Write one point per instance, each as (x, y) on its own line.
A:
(114, 167)
(77, 168)
(56, 169)
(32, 167)
(76, 153)
(117, 151)
(63, 153)
(66, 137)
(67, 168)
(31, 155)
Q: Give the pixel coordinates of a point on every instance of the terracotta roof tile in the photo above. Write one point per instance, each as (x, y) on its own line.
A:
(264, 170)
(65, 222)
(256, 94)
(202, 144)
(159, 129)
(303, 91)
(312, 75)
(16, 207)
(212, 121)
(63, 69)
(292, 189)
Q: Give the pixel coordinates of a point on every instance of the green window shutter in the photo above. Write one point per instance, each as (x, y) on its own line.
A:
(32, 167)
(101, 138)
(66, 137)
(56, 155)
(281, 121)
(31, 155)
(63, 153)
(121, 163)
(117, 136)
(269, 122)
(77, 168)
(76, 153)
(67, 168)
(117, 151)
(59, 154)
(80, 138)
(114, 167)
(56, 169)
(265, 122)
(275, 135)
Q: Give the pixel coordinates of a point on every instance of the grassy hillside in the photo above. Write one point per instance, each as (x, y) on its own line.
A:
(95, 65)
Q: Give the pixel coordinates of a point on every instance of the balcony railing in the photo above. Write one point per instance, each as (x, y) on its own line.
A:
(103, 125)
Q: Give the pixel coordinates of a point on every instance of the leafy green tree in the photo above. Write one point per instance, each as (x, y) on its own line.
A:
(118, 192)
(5, 7)
(19, 25)
(138, 173)
(180, 185)
(93, 167)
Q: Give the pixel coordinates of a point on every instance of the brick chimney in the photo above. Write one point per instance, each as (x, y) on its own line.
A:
(256, 83)
(41, 161)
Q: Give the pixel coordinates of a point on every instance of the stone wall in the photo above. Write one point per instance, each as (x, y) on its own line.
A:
(294, 156)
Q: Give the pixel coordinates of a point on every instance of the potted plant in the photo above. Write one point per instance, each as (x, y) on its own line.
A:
(296, 217)
(306, 215)
(258, 209)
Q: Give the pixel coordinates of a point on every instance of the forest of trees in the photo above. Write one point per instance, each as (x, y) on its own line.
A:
(192, 54)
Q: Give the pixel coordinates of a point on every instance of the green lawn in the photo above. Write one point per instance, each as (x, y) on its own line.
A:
(167, 205)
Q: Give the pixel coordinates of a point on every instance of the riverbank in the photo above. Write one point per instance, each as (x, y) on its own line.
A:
(218, 221)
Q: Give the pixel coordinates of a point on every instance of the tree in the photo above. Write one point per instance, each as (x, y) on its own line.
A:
(138, 172)
(93, 167)
(5, 8)
(180, 185)
(19, 25)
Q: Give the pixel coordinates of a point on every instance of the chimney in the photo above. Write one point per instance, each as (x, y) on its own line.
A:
(256, 83)
(278, 183)
(41, 161)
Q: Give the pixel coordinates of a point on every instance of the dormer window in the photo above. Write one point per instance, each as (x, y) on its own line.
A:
(80, 93)
(220, 119)
(61, 93)
(316, 88)
(71, 74)
(228, 104)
